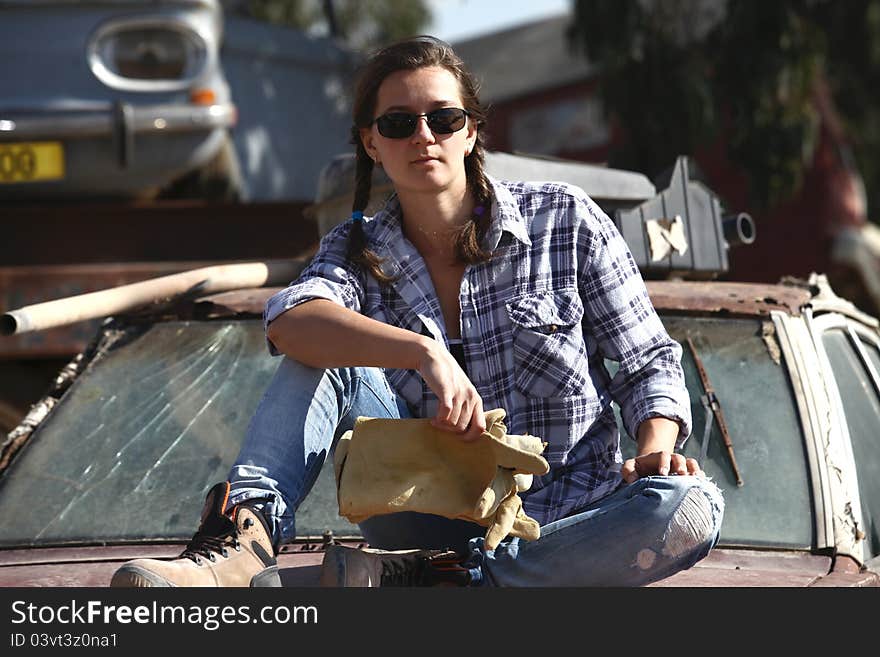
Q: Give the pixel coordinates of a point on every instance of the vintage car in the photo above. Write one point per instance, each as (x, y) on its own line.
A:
(114, 99)
(784, 381)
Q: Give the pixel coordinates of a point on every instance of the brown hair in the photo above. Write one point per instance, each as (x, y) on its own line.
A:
(410, 54)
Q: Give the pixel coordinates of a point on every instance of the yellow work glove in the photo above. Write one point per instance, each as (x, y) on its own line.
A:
(385, 466)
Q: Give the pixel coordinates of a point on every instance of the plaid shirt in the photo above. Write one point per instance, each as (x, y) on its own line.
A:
(561, 294)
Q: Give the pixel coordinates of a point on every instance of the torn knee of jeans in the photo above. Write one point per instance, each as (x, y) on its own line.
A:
(691, 525)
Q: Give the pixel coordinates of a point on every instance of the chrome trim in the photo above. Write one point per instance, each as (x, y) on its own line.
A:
(857, 333)
(111, 79)
(850, 504)
(151, 119)
(123, 134)
(808, 406)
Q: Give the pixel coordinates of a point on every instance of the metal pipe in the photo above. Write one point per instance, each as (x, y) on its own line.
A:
(112, 301)
(738, 229)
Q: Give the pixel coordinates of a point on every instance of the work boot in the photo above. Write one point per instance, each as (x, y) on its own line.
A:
(229, 549)
(348, 566)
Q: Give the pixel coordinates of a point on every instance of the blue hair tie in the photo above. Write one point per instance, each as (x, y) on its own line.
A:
(357, 216)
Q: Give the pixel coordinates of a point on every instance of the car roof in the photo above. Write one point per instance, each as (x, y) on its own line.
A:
(751, 299)
(733, 298)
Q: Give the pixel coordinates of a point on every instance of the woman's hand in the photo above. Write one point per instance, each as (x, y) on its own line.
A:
(459, 406)
(659, 463)
(655, 455)
(322, 334)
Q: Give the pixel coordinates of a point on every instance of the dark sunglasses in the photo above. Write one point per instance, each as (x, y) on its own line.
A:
(399, 125)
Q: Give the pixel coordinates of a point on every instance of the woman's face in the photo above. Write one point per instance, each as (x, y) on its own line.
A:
(424, 162)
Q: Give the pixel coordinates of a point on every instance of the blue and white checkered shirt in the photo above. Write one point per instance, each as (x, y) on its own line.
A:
(561, 294)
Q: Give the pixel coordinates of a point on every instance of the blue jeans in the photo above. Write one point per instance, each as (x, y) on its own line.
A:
(642, 532)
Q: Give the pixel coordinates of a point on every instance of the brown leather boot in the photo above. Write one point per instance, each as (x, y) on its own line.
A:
(229, 549)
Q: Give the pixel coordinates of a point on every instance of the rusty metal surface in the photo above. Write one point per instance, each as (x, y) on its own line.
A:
(746, 568)
(746, 299)
(20, 286)
(300, 563)
(703, 576)
(866, 579)
(846, 564)
(726, 567)
(693, 296)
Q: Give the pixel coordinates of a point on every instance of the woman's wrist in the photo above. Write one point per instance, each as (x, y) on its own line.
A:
(656, 434)
(424, 351)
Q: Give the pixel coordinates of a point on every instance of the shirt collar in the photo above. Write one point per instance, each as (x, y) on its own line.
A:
(385, 229)
(506, 217)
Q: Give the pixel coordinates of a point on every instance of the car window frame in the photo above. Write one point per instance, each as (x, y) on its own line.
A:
(854, 329)
(818, 511)
(802, 363)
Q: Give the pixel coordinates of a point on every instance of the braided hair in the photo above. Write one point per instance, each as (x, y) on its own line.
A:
(410, 54)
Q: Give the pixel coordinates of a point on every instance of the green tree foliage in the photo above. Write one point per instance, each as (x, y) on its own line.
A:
(677, 73)
(362, 24)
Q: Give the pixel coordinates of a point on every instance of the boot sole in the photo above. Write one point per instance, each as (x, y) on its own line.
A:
(268, 577)
(134, 577)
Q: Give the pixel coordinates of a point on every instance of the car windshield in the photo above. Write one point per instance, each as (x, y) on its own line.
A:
(158, 417)
(142, 434)
(744, 365)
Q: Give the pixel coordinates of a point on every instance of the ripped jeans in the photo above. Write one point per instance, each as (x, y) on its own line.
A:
(640, 533)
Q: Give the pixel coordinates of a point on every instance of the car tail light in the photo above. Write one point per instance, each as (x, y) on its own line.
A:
(203, 97)
(147, 54)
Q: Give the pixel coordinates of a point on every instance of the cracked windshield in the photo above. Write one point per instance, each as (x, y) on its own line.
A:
(155, 417)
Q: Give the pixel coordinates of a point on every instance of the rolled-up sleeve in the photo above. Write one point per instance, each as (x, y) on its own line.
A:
(329, 276)
(619, 314)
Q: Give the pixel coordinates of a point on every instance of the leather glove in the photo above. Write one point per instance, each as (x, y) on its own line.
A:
(386, 466)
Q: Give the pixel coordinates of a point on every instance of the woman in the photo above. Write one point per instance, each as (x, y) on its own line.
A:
(465, 293)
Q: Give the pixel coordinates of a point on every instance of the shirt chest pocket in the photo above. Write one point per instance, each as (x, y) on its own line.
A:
(550, 357)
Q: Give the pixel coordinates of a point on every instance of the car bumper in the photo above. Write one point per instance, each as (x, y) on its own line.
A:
(118, 119)
(119, 150)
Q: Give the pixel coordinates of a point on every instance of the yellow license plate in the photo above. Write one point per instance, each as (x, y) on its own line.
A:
(31, 161)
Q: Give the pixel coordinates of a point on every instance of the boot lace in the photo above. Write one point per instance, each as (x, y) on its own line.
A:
(207, 545)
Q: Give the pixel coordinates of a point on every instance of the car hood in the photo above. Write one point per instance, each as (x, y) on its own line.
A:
(736, 567)
(93, 566)
(300, 564)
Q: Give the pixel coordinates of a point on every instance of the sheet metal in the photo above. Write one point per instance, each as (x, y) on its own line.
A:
(746, 299)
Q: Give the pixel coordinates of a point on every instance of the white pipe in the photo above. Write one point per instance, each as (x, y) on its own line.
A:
(104, 303)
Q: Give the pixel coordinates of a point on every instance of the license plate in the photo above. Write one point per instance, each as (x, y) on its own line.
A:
(31, 161)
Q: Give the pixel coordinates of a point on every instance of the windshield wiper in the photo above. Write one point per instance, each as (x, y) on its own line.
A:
(713, 408)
